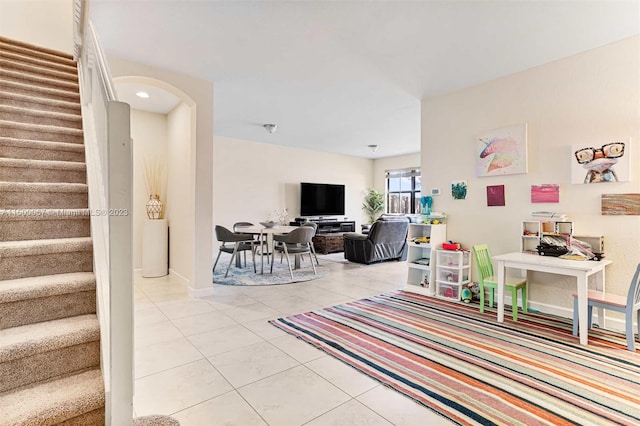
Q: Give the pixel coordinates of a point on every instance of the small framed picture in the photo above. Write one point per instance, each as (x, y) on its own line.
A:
(495, 195)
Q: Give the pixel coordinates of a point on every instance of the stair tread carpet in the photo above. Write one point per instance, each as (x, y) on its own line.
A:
(28, 340)
(49, 330)
(53, 401)
(40, 247)
(42, 164)
(8, 74)
(46, 285)
(35, 114)
(50, 148)
(35, 69)
(12, 215)
(42, 187)
(38, 103)
(21, 58)
(35, 51)
(9, 85)
(43, 128)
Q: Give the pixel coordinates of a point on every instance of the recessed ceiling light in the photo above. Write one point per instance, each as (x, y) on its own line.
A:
(141, 94)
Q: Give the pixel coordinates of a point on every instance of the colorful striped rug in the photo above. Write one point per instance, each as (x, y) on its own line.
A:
(467, 367)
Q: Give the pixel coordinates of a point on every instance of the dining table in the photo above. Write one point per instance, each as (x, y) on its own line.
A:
(268, 232)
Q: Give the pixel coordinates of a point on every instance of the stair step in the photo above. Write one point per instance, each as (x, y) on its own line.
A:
(34, 116)
(56, 401)
(39, 195)
(17, 130)
(36, 70)
(45, 286)
(25, 59)
(50, 297)
(28, 49)
(35, 352)
(41, 150)
(43, 92)
(21, 170)
(39, 103)
(32, 258)
(44, 224)
(39, 81)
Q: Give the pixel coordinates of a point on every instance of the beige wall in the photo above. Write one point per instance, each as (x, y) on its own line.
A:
(198, 95)
(253, 179)
(45, 23)
(398, 162)
(591, 98)
(149, 134)
(178, 198)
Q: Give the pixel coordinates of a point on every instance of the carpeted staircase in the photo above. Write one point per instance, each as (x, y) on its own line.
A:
(49, 333)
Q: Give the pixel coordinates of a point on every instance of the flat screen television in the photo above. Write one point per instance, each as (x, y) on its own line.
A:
(321, 199)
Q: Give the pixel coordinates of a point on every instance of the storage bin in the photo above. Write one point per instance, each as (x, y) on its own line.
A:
(453, 275)
(456, 259)
(448, 291)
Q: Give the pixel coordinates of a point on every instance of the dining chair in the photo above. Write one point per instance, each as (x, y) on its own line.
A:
(629, 305)
(296, 242)
(260, 243)
(313, 248)
(490, 281)
(241, 242)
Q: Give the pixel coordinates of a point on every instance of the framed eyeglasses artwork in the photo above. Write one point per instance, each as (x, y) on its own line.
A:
(609, 162)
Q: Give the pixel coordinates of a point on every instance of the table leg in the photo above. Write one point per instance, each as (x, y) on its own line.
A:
(261, 253)
(501, 275)
(583, 330)
(599, 281)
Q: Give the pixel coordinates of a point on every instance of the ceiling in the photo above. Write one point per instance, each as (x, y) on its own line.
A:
(338, 76)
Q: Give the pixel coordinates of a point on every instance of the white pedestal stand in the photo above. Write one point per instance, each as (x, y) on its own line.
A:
(155, 248)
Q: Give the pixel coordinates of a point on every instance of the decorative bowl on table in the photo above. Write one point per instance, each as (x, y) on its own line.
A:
(269, 224)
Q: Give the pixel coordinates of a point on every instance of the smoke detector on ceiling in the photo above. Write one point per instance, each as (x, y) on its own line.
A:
(270, 128)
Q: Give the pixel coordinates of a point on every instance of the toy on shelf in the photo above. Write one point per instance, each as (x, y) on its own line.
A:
(450, 245)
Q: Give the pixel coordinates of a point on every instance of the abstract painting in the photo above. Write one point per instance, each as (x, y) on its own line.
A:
(546, 193)
(609, 162)
(502, 151)
(459, 190)
(495, 195)
(621, 204)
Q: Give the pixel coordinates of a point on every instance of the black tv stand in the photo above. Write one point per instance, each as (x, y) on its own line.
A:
(329, 225)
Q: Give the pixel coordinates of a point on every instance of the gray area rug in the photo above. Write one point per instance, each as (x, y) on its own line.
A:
(246, 276)
(333, 257)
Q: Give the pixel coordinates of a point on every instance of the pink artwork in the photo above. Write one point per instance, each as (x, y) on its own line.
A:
(502, 151)
(546, 193)
(495, 195)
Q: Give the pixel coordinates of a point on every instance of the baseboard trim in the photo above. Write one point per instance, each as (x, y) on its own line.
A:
(610, 323)
(201, 292)
(180, 278)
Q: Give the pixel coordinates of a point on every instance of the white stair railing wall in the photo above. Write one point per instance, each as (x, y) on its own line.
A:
(107, 138)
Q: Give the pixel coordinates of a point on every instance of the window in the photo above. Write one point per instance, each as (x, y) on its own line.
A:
(403, 191)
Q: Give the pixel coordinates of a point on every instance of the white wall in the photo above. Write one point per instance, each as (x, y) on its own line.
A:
(590, 98)
(149, 134)
(179, 199)
(45, 23)
(253, 179)
(198, 95)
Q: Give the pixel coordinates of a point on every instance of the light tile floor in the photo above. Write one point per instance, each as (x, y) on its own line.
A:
(216, 361)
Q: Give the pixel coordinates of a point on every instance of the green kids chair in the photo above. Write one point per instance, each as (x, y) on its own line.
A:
(488, 280)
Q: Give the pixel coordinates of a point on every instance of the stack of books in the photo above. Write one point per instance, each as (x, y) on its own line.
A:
(558, 217)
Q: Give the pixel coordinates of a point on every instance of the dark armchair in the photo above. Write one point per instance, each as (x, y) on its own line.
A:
(386, 240)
